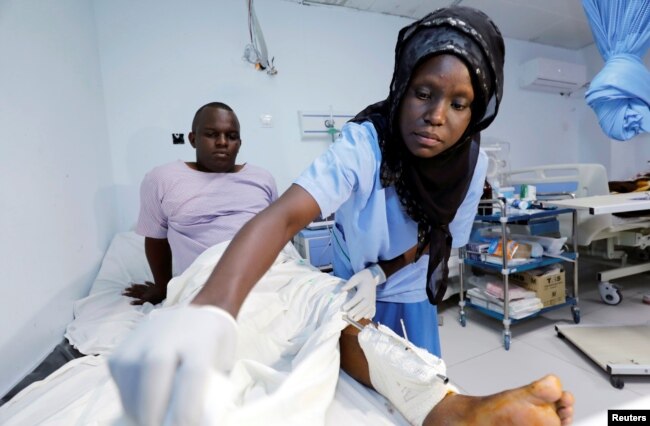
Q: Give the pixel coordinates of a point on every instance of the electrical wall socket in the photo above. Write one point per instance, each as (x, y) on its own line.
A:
(266, 120)
(178, 138)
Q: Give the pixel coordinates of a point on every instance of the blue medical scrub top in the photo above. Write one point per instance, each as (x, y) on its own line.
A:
(372, 225)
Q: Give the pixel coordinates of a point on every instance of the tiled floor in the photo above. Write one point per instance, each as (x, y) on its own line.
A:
(478, 363)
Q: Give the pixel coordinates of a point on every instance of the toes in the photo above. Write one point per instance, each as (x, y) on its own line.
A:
(566, 400)
(565, 408)
(565, 413)
(548, 389)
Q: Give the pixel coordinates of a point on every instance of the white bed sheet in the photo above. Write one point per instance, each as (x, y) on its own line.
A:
(103, 318)
(288, 359)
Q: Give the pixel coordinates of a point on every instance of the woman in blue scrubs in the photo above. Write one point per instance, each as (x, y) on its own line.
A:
(404, 180)
(406, 176)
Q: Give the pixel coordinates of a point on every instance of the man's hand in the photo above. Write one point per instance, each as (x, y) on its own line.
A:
(363, 303)
(161, 368)
(147, 292)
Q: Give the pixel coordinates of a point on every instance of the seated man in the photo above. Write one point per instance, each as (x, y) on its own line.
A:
(187, 207)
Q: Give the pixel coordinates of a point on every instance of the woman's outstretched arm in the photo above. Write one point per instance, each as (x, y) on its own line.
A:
(253, 250)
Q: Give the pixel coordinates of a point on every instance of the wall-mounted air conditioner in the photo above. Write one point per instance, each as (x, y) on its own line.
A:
(549, 75)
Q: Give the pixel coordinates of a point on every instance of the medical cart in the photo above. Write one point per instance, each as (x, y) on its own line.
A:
(315, 245)
(506, 268)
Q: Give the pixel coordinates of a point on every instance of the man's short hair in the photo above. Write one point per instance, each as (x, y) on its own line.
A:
(218, 105)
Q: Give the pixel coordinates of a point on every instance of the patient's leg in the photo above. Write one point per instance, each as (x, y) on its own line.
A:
(353, 360)
(541, 402)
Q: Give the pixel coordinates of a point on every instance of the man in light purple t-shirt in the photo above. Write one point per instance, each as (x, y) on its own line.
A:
(187, 207)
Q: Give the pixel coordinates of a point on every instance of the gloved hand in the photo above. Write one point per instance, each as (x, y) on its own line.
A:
(161, 368)
(363, 303)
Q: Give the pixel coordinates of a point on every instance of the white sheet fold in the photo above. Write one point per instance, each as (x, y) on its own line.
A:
(287, 368)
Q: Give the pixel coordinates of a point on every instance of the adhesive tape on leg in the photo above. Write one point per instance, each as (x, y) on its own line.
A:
(408, 376)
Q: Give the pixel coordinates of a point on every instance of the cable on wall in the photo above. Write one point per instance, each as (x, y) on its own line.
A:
(256, 52)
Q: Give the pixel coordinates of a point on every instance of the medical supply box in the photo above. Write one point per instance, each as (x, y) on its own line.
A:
(549, 286)
(315, 245)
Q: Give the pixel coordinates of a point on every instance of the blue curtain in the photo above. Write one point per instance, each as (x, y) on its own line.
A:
(620, 93)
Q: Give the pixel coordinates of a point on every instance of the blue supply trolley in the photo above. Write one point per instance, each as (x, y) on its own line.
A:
(506, 270)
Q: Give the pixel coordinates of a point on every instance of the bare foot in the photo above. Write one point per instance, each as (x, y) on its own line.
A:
(540, 403)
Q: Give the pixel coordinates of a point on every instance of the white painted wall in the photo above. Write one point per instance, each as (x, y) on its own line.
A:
(158, 68)
(58, 210)
(91, 92)
(541, 127)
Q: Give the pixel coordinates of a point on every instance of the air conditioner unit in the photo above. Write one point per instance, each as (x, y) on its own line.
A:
(549, 75)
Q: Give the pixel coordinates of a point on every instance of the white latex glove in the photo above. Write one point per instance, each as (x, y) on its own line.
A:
(161, 367)
(363, 303)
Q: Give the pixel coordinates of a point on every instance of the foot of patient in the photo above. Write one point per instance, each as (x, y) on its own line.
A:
(540, 403)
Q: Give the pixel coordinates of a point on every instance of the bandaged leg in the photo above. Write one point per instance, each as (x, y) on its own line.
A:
(411, 378)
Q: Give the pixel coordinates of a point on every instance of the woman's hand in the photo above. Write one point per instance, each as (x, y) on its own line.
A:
(363, 303)
(162, 367)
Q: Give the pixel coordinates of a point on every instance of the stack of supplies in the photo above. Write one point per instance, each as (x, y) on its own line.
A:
(477, 250)
(541, 245)
(514, 249)
(489, 293)
(517, 252)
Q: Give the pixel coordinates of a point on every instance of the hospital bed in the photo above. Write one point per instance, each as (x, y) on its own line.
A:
(601, 234)
(83, 392)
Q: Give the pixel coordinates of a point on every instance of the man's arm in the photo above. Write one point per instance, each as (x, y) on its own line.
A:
(159, 257)
(253, 250)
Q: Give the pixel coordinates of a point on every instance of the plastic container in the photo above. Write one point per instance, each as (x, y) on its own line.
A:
(507, 192)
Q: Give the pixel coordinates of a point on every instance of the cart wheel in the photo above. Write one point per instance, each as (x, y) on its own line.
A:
(462, 320)
(617, 382)
(576, 314)
(506, 341)
(642, 254)
(610, 293)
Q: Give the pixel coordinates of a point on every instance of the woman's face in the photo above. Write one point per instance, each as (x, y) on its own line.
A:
(435, 110)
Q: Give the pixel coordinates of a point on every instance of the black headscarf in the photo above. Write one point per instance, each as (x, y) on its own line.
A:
(432, 189)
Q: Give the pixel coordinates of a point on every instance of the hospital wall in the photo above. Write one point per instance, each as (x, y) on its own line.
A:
(92, 91)
(159, 67)
(58, 212)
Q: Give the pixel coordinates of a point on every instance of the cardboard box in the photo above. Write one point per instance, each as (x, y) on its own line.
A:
(550, 287)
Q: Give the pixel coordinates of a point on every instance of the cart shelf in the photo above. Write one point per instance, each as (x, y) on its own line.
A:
(519, 217)
(533, 264)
